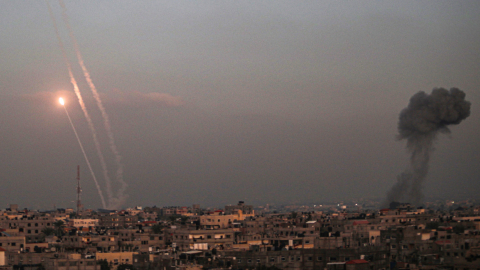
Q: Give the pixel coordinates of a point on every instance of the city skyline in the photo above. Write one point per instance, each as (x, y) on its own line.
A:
(218, 102)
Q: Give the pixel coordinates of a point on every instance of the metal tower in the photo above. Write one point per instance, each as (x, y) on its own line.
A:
(79, 191)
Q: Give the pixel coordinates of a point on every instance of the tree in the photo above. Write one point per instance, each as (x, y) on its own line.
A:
(458, 229)
(125, 266)
(432, 225)
(183, 220)
(59, 227)
(157, 228)
(103, 265)
(173, 218)
(47, 231)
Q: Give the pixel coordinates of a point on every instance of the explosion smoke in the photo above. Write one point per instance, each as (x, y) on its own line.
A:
(419, 123)
(84, 109)
(120, 199)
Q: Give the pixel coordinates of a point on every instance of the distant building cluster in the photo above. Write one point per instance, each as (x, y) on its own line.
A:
(240, 236)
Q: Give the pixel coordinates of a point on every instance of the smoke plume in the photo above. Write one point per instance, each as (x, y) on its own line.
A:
(419, 123)
(119, 200)
(84, 109)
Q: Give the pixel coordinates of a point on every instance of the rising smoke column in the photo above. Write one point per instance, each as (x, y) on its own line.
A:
(419, 123)
(84, 109)
(121, 197)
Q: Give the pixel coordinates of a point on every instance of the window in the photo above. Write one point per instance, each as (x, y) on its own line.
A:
(73, 263)
(249, 261)
(272, 259)
(283, 259)
(347, 259)
(299, 258)
(209, 237)
(319, 258)
(239, 260)
(310, 258)
(333, 259)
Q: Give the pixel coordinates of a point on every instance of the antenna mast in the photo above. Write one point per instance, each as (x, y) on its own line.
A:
(79, 190)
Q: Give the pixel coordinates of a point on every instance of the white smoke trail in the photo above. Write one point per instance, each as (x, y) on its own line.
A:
(84, 109)
(117, 202)
(85, 155)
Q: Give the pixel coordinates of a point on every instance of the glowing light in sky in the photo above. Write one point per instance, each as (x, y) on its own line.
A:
(61, 101)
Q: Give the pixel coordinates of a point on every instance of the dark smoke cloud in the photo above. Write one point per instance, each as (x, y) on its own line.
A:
(419, 123)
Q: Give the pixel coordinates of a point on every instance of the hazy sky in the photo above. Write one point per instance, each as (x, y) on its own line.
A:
(212, 102)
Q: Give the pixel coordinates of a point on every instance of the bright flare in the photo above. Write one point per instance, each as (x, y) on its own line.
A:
(61, 101)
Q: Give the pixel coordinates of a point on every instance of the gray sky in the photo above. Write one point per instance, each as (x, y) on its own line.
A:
(212, 102)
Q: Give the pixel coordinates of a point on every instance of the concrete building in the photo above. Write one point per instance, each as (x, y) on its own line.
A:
(117, 258)
(86, 222)
(246, 209)
(192, 239)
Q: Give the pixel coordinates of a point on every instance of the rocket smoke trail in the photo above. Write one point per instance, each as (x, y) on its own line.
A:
(84, 109)
(419, 123)
(84, 154)
(121, 197)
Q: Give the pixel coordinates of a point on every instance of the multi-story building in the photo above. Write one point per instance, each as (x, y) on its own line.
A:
(188, 239)
(117, 221)
(246, 209)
